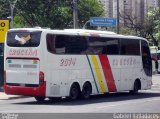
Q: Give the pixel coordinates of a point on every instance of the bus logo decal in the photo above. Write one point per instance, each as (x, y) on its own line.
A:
(23, 52)
(23, 39)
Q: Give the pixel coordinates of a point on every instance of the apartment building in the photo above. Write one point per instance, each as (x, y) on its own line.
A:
(108, 7)
(136, 9)
(150, 4)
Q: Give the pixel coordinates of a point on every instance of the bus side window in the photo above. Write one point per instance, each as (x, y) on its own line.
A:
(145, 50)
(111, 46)
(76, 45)
(60, 44)
(50, 43)
(112, 50)
(146, 58)
(130, 47)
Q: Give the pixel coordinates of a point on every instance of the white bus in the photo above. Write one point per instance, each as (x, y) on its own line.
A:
(74, 63)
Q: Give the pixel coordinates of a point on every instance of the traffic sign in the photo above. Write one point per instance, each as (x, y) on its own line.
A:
(4, 26)
(100, 21)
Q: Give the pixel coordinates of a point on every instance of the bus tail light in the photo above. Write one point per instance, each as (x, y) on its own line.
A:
(4, 76)
(41, 77)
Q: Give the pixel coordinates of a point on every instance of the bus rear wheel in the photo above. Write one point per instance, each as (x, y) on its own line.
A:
(136, 87)
(86, 91)
(40, 99)
(74, 91)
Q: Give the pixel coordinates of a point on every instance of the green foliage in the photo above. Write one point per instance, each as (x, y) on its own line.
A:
(55, 14)
(158, 35)
(18, 22)
(89, 8)
(149, 28)
(4, 9)
(154, 25)
(42, 13)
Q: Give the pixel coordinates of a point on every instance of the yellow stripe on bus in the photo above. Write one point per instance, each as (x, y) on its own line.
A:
(98, 73)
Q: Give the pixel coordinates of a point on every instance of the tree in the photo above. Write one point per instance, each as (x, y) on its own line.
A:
(132, 22)
(149, 28)
(89, 8)
(48, 13)
(55, 14)
(154, 25)
(4, 9)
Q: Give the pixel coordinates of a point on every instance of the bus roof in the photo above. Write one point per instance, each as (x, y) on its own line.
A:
(81, 32)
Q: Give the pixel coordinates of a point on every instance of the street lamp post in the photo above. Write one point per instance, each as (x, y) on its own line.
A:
(118, 16)
(75, 14)
(84, 27)
(12, 6)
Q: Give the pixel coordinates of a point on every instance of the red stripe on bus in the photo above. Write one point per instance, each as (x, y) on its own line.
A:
(108, 73)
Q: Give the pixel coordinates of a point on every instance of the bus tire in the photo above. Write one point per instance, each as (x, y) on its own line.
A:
(136, 87)
(74, 91)
(40, 99)
(86, 91)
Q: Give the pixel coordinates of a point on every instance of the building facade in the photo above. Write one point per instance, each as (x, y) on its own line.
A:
(108, 7)
(150, 4)
(135, 9)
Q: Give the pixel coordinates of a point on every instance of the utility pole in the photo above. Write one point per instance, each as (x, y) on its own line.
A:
(75, 14)
(12, 6)
(117, 16)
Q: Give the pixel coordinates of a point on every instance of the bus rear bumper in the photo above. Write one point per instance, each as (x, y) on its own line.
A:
(26, 91)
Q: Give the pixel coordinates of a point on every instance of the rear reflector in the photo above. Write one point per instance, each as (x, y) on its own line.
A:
(41, 77)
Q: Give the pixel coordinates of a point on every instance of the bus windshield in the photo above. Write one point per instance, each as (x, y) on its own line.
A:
(23, 38)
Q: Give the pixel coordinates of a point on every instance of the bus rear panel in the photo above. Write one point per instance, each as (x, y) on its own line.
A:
(22, 64)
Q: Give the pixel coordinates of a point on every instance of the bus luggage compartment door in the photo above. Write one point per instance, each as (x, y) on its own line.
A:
(22, 71)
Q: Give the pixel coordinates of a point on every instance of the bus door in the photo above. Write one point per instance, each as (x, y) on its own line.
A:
(146, 63)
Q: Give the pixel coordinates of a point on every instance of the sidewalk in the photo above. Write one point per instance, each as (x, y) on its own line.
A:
(4, 96)
(156, 82)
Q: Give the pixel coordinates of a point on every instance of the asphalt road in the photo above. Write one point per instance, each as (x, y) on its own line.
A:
(147, 101)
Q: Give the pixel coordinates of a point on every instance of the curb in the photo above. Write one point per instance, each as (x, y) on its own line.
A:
(12, 98)
(16, 97)
(4, 96)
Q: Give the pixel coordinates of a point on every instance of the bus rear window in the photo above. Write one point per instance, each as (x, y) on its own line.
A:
(23, 39)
